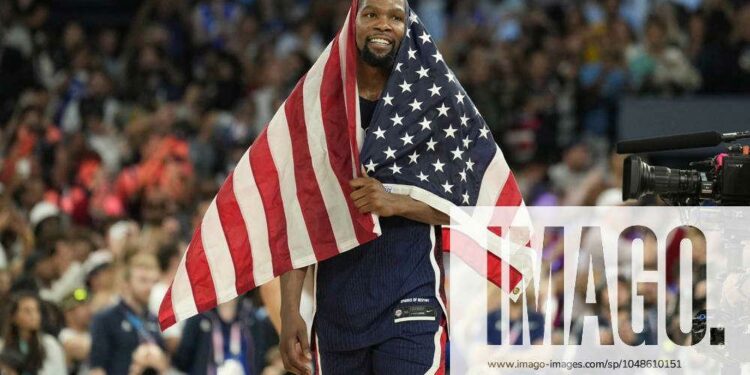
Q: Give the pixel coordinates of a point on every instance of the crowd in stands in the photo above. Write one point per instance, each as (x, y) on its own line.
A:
(113, 141)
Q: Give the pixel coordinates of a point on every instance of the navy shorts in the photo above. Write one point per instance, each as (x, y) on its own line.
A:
(420, 349)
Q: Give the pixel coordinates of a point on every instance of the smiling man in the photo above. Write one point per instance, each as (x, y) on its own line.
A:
(377, 305)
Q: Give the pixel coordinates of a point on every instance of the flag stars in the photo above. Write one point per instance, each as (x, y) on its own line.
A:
(398, 67)
(435, 90)
(412, 54)
(438, 165)
(405, 87)
(448, 187)
(422, 177)
(470, 165)
(389, 153)
(463, 175)
(423, 72)
(380, 133)
(464, 120)
(370, 166)
(416, 105)
(438, 57)
(465, 197)
(466, 142)
(484, 132)
(413, 157)
(425, 124)
(388, 99)
(460, 97)
(431, 145)
(407, 139)
(397, 120)
(395, 169)
(451, 77)
(450, 132)
(457, 153)
(413, 18)
(425, 38)
(443, 110)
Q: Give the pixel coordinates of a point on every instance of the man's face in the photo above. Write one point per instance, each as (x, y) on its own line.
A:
(140, 283)
(380, 28)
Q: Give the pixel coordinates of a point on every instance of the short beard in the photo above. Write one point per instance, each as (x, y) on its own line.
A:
(385, 62)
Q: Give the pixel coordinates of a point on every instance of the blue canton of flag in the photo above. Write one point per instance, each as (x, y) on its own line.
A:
(426, 132)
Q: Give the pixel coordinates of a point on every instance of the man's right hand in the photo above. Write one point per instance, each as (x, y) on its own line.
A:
(294, 344)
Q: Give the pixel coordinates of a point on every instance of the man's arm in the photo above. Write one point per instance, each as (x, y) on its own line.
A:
(369, 196)
(294, 344)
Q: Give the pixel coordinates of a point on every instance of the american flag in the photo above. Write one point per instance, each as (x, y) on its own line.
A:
(286, 205)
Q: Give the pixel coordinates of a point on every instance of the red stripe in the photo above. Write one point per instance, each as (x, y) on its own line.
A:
(335, 125)
(199, 274)
(443, 341)
(511, 195)
(166, 312)
(267, 179)
(235, 232)
(308, 192)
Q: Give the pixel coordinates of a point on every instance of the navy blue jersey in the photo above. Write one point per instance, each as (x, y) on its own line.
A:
(377, 290)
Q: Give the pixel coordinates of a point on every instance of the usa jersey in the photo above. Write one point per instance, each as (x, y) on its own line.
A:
(382, 289)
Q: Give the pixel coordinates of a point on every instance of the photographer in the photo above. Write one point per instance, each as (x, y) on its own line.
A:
(126, 337)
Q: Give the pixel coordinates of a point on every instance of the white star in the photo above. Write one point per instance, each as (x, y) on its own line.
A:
(388, 99)
(457, 153)
(389, 153)
(425, 38)
(416, 105)
(466, 198)
(379, 133)
(451, 77)
(431, 145)
(464, 120)
(425, 124)
(413, 18)
(405, 87)
(448, 187)
(463, 175)
(370, 166)
(422, 177)
(397, 120)
(395, 169)
(435, 90)
(443, 110)
(423, 72)
(407, 139)
(438, 57)
(460, 97)
(470, 165)
(484, 132)
(398, 67)
(412, 54)
(408, 33)
(413, 157)
(438, 166)
(467, 142)
(450, 132)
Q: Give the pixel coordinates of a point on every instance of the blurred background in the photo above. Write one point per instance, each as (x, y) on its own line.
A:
(119, 120)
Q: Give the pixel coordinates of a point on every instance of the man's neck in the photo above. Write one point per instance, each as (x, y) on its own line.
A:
(371, 80)
(135, 306)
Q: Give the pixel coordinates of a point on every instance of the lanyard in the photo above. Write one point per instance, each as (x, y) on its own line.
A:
(143, 334)
(235, 345)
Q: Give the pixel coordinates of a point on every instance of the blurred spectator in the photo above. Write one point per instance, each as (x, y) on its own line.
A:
(659, 68)
(126, 337)
(75, 337)
(39, 352)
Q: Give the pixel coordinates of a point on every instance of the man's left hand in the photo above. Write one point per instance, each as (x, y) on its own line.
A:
(369, 196)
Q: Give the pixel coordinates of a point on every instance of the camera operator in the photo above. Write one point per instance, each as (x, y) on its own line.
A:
(125, 338)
